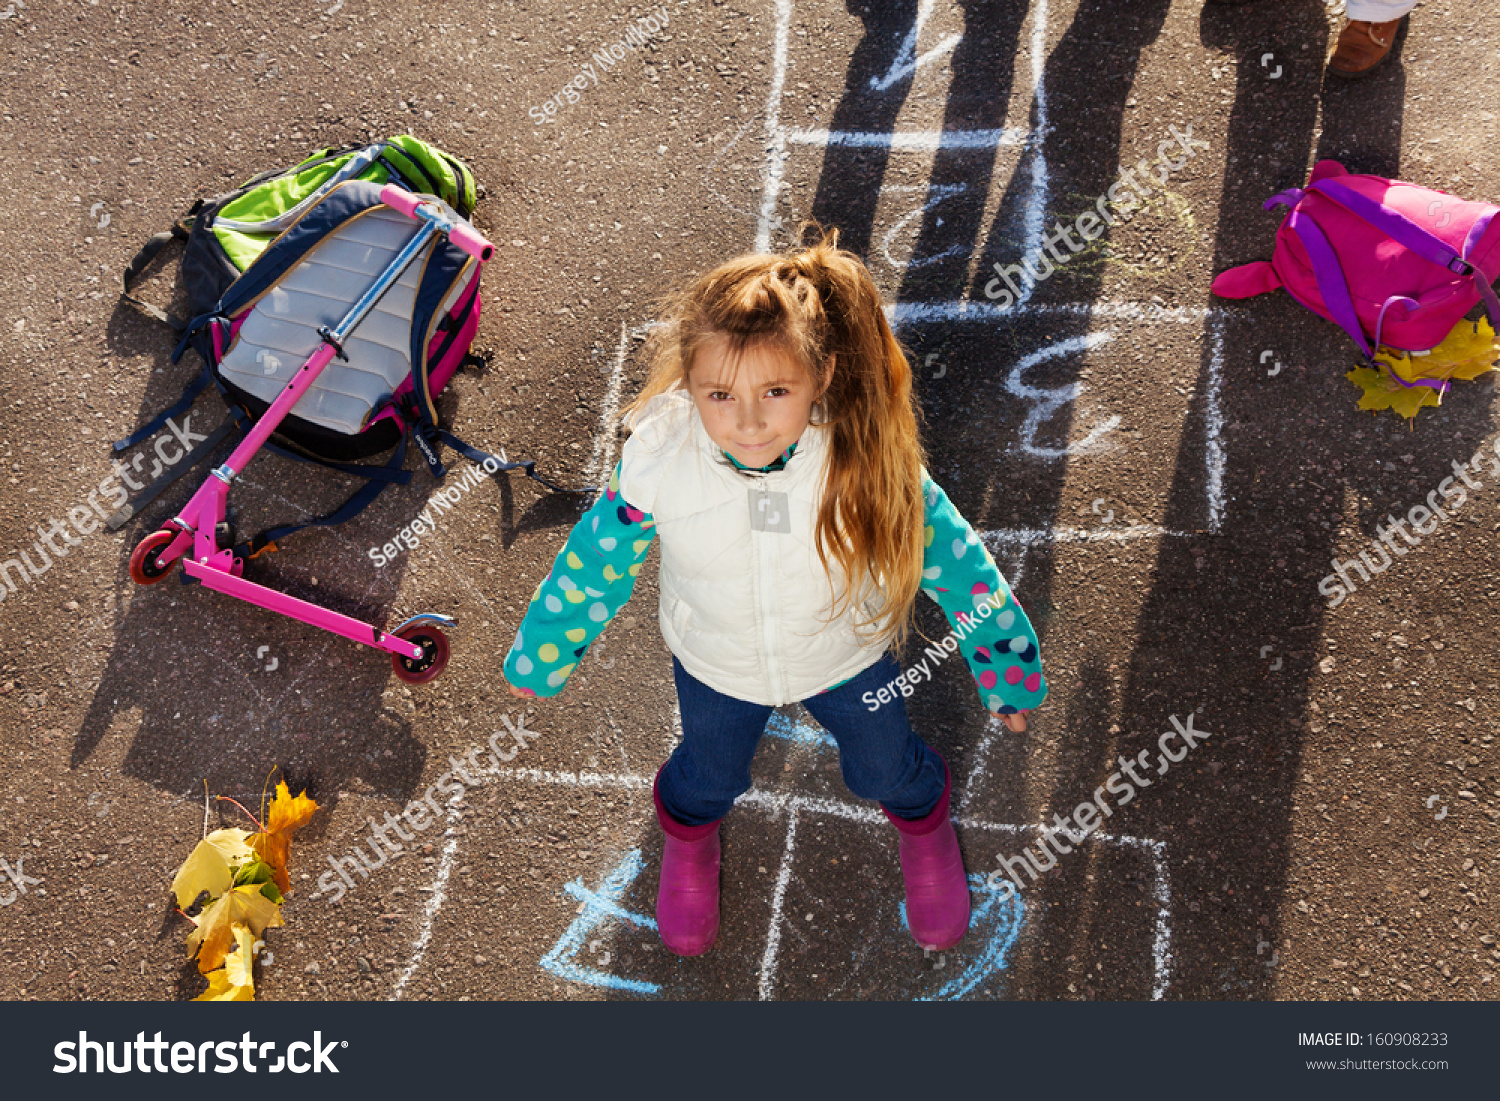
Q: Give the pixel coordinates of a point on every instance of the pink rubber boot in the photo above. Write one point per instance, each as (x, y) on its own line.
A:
(937, 892)
(687, 902)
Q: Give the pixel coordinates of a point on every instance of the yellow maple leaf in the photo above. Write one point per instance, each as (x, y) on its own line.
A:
(210, 866)
(1469, 370)
(287, 815)
(241, 964)
(235, 981)
(220, 989)
(1467, 352)
(1469, 340)
(1381, 393)
(244, 906)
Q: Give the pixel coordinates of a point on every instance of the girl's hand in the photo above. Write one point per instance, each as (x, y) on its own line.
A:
(520, 693)
(1015, 723)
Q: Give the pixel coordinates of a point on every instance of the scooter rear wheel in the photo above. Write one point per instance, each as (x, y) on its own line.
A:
(145, 566)
(434, 657)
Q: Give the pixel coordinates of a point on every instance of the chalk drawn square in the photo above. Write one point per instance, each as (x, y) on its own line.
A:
(785, 846)
(916, 144)
(843, 933)
(611, 943)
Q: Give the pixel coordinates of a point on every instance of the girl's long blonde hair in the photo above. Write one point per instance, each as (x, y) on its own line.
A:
(819, 306)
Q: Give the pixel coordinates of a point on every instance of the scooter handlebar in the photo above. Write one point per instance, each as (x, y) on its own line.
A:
(398, 198)
(462, 234)
(471, 241)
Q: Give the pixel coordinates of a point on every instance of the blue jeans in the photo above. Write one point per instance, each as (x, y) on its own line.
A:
(880, 755)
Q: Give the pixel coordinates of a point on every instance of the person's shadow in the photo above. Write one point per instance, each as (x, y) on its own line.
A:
(1070, 150)
(1293, 446)
(1232, 622)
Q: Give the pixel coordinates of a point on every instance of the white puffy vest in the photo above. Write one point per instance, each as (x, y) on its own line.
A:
(745, 601)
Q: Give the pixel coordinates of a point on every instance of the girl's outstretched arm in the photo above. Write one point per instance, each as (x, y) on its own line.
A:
(1000, 646)
(590, 581)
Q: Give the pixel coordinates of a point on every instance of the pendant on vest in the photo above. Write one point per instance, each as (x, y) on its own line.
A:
(769, 511)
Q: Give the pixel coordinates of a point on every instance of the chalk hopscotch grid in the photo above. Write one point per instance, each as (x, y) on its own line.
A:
(793, 806)
(911, 313)
(777, 140)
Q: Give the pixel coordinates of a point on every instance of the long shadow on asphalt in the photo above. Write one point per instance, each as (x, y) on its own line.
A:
(1296, 445)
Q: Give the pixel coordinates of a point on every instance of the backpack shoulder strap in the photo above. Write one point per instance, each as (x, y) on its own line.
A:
(1395, 225)
(1408, 234)
(377, 479)
(493, 466)
(143, 259)
(183, 465)
(184, 402)
(1332, 285)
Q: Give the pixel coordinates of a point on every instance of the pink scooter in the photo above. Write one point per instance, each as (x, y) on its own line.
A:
(418, 648)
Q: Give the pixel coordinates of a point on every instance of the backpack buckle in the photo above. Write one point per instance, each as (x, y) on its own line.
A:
(1459, 266)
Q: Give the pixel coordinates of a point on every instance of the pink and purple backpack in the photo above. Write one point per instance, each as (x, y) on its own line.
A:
(1390, 262)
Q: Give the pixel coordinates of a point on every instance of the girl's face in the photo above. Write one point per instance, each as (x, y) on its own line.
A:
(757, 411)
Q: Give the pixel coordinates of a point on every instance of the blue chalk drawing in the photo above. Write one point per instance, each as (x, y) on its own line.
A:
(801, 733)
(599, 907)
(1000, 920)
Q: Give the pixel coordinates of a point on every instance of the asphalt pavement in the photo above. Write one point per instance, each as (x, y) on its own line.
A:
(1166, 478)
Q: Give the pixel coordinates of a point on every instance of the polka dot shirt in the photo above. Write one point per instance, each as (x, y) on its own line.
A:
(595, 573)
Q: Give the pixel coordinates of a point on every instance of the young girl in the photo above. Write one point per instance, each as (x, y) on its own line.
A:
(775, 452)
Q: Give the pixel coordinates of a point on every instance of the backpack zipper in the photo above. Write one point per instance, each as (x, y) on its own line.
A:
(471, 296)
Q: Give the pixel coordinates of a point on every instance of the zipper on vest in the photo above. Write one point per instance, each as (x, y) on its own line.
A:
(764, 550)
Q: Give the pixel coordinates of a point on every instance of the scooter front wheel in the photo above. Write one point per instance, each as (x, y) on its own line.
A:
(145, 565)
(434, 657)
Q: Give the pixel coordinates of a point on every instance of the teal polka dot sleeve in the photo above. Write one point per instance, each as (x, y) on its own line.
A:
(990, 628)
(590, 581)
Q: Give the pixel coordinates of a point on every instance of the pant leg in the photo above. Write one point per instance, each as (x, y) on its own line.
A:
(881, 756)
(711, 768)
(1378, 11)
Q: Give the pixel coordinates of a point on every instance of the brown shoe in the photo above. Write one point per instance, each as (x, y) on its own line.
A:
(1362, 46)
